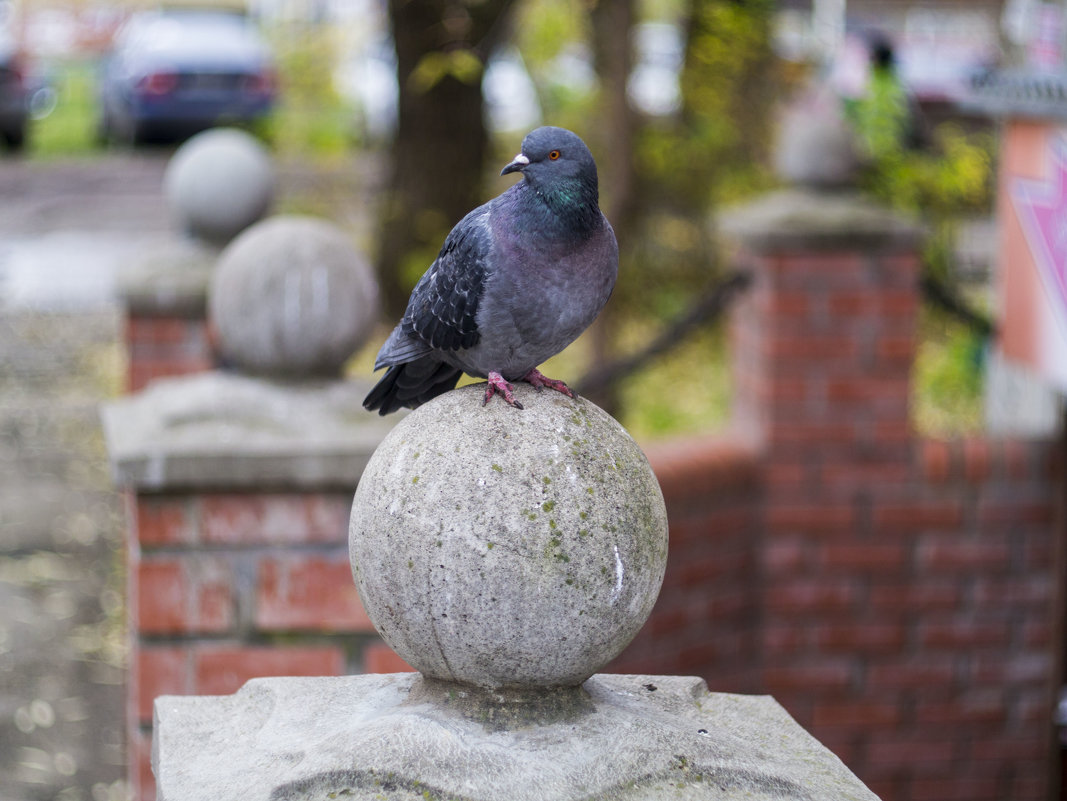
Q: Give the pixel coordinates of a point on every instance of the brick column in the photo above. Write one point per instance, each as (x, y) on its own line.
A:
(906, 589)
(825, 338)
(164, 295)
(238, 496)
(824, 346)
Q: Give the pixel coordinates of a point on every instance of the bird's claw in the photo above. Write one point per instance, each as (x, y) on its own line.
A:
(539, 382)
(496, 383)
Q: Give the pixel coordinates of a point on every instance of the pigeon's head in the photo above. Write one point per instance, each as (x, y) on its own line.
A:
(555, 158)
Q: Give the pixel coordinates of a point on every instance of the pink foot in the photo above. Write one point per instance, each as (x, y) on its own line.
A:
(498, 384)
(539, 382)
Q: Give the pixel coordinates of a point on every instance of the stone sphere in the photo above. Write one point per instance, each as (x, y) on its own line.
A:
(508, 548)
(292, 296)
(816, 146)
(218, 183)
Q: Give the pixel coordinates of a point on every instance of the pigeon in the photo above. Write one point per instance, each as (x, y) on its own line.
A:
(516, 281)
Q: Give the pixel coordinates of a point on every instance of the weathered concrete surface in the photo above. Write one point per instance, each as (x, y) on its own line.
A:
(221, 429)
(62, 637)
(507, 547)
(292, 296)
(395, 736)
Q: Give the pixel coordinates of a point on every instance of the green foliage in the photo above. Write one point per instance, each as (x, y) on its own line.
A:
(952, 179)
(545, 31)
(947, 394)
(728, 85)
(883, 118)
(461, 64)
(545, 28)
(712, 152)
(310, 119)
(71, 127)
(686, 391)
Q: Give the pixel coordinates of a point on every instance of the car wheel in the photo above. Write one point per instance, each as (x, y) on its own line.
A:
(15, 138)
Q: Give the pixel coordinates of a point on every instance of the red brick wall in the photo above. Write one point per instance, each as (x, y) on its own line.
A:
(901, 597)
(224, 587)
(704, 622)
(158, 346)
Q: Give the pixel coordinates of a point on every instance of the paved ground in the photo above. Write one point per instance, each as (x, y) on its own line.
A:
(61, 634)
(65, 230)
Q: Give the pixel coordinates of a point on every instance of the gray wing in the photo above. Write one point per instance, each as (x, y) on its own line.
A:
(441, 314)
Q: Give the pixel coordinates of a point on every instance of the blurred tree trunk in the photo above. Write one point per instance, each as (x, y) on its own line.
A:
(441, 139)
(613, 22)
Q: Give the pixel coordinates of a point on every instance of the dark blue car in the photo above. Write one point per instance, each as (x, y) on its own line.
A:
(174, 73)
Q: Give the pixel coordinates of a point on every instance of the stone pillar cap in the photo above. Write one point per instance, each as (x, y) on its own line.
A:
(170, 278)
(220, 430)
(626, 738)
(811, 219)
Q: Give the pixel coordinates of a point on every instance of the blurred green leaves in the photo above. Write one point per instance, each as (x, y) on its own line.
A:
(70, 129)
(310, 119)
(947, 394)
(951, 178)
(462, 64)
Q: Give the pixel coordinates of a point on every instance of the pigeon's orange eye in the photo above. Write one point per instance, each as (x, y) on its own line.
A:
(553, 155)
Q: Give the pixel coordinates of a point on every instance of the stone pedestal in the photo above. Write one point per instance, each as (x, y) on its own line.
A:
(508, 554)
(239, 488)
(164, 294)
(405, 738)
(238, 494)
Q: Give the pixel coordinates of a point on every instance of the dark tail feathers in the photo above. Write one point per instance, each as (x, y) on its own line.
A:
(411, 384)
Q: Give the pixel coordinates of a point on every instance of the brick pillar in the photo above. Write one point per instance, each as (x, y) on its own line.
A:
(907, 590)
(238, 497)
(825, 338)
(824, 346)
(164, 295)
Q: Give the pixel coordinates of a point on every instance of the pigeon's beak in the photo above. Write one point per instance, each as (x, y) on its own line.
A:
(517, 164)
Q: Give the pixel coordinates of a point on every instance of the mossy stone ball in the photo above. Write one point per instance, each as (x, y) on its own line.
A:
(508, 548)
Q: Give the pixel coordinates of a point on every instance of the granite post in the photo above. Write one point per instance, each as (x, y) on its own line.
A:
(216, 185)
(508, 554)
(239, 485)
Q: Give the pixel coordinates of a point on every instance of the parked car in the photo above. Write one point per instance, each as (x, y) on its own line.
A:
(14, 108)
(174, 73)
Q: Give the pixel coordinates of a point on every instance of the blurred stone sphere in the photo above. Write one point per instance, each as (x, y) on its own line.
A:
(292, 296)
(218, 183)
(815, 145)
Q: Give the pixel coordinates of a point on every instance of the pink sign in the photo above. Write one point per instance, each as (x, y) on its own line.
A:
(1042, 210)
(1033, 262)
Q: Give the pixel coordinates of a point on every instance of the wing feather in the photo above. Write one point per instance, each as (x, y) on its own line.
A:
(443, 308)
